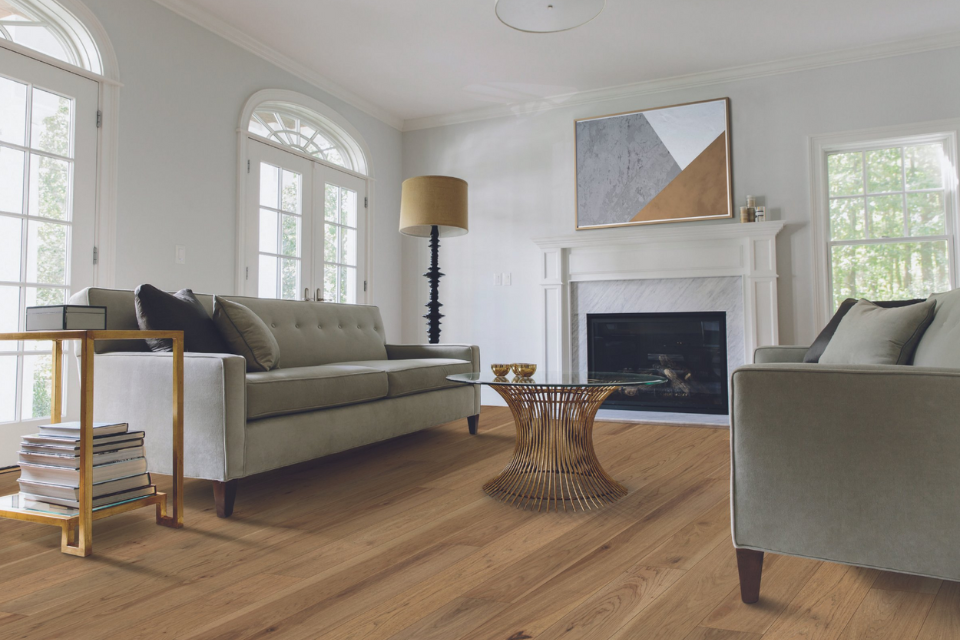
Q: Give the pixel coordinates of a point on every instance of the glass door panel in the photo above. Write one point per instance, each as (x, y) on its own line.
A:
(279, 236)
(341, 267)
(48, 158)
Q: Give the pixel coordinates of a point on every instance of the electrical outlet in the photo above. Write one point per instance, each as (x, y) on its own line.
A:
(181, 254)
(497, 279)
(507, 280)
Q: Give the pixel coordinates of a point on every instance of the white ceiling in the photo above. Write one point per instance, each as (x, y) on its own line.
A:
(418, 58)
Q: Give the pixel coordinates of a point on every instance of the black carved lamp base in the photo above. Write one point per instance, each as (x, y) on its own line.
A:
(433, 275)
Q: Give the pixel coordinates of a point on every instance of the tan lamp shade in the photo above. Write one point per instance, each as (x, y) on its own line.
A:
(433, 200)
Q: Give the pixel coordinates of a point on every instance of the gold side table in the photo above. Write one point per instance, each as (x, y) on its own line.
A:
(77, 530)
(554, 462)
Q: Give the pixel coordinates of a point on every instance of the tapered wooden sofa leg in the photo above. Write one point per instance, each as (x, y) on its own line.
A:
(749, 566)
(224, 494)
(473, 422)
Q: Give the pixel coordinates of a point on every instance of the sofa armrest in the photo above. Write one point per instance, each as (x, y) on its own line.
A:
(137, 388)
(470, 353)
(850, 463)
(779, 353)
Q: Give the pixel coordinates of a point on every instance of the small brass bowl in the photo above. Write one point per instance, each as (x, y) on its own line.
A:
(500, 370)
(523, 369)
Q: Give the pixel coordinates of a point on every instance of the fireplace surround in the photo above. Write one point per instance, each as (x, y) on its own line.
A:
(689, 254)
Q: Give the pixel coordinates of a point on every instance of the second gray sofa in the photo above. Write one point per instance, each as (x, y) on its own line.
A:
(338, 386)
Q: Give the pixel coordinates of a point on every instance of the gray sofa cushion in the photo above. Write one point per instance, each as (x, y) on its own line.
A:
(870, 334)
(940, 344)
(246, 334)
(416, 375)
(282, 391)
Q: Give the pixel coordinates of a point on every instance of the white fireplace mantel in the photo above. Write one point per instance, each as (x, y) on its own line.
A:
(643, 252)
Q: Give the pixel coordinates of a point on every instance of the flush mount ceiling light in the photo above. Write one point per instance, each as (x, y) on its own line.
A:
(547, 16)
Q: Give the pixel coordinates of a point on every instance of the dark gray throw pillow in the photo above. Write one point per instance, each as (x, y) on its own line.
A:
(246, 334)
(870, 334)
(181, 311)
(816, 349)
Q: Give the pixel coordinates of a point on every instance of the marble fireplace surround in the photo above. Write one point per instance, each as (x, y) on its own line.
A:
(706, 260)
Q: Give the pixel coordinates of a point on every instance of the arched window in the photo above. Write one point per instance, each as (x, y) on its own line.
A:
(47, 27)
(306, 212)
(306, 131)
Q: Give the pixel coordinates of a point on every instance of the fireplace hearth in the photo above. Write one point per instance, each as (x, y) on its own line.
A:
(689, 349)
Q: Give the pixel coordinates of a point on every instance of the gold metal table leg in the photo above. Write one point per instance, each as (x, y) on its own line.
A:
(176, 521)
(554, 462)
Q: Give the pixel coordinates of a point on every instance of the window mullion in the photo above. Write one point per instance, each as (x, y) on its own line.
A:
(903, 176)
(866, 200)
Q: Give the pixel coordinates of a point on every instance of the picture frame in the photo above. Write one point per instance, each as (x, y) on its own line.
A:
(653, 166)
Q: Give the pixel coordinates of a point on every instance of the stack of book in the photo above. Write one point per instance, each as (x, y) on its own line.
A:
(50, 467)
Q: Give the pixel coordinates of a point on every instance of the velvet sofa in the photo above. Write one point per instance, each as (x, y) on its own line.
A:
(856, 464)
(339, 385)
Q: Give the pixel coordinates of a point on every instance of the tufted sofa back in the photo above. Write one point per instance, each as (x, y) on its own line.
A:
(309, 333)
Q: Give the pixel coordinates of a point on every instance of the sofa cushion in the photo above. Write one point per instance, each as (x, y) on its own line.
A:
(869, 334)
(416, 375)
(823, 339)
(282, 391)
(246, 334)
(181, 311)
(940, 344)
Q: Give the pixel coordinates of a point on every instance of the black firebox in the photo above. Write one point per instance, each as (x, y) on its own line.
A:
(688, 349)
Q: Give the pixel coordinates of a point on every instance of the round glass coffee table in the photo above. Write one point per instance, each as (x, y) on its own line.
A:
(553, 461)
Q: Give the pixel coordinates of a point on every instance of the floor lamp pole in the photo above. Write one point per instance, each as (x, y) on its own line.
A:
(433, 276)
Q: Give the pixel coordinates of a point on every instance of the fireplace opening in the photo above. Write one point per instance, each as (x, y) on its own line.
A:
(688, 349)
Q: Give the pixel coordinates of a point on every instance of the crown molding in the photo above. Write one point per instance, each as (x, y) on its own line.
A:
(731, 74)
(211, 23)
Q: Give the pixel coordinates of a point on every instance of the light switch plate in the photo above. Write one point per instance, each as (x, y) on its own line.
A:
(497, 279)
(507, 280)
(181, 254)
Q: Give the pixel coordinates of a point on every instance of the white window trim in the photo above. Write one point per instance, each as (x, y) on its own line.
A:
(243, 175)
(819, 146)
(104, 273)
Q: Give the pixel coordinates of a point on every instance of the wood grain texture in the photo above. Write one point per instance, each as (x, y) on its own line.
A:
(397, 541)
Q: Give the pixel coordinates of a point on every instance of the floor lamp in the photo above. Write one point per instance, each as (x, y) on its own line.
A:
(431, 207)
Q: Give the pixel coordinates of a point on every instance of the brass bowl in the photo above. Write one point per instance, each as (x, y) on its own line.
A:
(500, 370)
(523, 369)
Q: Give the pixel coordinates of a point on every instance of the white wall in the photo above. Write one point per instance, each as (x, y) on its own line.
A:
(183, 90)
(521, 173)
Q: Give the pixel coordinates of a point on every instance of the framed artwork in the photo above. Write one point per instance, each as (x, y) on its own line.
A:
(670, 164)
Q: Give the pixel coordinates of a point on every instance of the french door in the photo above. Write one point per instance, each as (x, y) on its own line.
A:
(305, 229)
(48, 176)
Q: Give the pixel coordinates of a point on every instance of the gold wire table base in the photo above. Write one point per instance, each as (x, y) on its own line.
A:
(554, 463)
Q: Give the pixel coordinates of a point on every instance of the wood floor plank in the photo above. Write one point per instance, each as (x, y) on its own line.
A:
(783, 577)
(707, 633)
(889, 615)
(685, 548)
(600, 615)
(461, 615)
(679, 611)
(943, 619)
(822, 609)
(904, 582)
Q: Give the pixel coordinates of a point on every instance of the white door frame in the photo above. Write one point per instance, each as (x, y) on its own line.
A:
(104, 274)
(244, 173)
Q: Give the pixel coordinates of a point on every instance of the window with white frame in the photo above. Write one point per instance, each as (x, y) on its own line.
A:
(891, 216)
(47, 27)
(308, 237)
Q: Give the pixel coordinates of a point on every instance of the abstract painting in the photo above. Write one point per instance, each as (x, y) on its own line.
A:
(670, 164)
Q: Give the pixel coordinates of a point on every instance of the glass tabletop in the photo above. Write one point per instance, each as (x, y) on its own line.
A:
(558, 379)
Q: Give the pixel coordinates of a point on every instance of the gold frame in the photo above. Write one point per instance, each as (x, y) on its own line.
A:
(576, 199)
(553, 461)
(76, 530)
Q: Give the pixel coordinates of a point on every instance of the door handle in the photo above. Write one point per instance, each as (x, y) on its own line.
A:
(319, 295)
(306, 294)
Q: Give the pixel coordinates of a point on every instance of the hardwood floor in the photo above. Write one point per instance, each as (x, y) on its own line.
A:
(397, 541)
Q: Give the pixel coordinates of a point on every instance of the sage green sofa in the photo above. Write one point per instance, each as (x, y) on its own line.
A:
(339, 385)
(857, 464)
